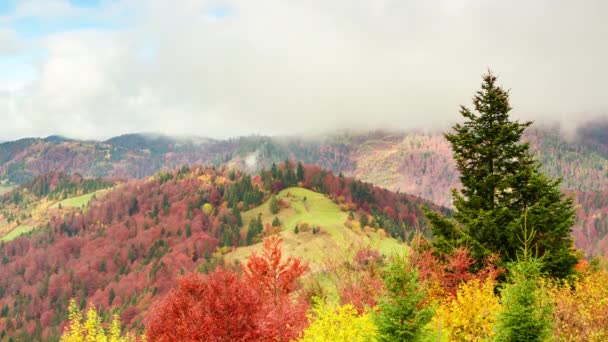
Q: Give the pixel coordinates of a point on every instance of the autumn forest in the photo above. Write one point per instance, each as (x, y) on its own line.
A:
(356, 238)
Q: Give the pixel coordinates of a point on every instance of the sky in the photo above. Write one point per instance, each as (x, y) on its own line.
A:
(97, 68)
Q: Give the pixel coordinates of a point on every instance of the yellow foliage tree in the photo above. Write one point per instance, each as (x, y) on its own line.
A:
(581, 310)
(74, 331)
(91, 330)
(207, 208)
(470, 316)
(338, 323)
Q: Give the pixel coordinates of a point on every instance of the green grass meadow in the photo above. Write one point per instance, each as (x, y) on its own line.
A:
(77, 201)
(334, 241)
(16, 232)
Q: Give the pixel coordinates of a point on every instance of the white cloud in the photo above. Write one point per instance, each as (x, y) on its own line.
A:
(9, 42)
(287, 66)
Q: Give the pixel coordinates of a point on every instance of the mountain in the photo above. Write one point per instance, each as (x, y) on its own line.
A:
(415, 162)
(126, 247)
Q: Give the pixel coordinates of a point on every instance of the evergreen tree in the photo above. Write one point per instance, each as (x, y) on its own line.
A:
(266, 179)
(165, 204)
(402, 313)
(274, 205)
(111, 296)
(237, 214)
(276, 222)
(290, 176)
(254, 229)
(527, 309)
(364, 220)
(501, 180)
(274, 171)
(133, 207)
(300, 172)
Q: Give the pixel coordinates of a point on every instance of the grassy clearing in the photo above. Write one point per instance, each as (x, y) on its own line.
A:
(335, 240)
(16, 232)
(78, 201)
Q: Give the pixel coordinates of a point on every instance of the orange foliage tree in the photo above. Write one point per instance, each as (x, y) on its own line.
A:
(275, 280)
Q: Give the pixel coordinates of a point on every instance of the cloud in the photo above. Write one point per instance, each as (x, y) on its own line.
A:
(225, 68)
(9, 42)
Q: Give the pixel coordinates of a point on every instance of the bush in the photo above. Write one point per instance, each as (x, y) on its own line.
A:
(471, 315)
(581, 310)
(338, 323)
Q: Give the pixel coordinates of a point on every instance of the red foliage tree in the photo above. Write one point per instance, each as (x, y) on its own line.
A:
(226, 306)
(281, 319)
(452, 271)
(221, 306)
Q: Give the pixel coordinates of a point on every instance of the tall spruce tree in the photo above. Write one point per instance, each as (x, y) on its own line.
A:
(501, 181)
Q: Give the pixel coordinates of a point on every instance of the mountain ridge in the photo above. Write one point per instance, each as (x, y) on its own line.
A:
(417, 162)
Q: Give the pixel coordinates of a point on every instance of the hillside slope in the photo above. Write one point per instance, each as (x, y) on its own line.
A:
(30, 206)
(125, 249)
(334, 233)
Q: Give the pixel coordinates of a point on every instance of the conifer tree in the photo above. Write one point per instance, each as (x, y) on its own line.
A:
(290, 178)
(274, 205)
(254, 229)
(300, 172)
(403, 312)
(527, 311)
(276, 222)
(501, 180)
(364, 221)
(274, 171)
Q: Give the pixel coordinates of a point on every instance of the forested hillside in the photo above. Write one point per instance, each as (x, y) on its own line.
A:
(124, 250)
(30, 206)
(418, 163)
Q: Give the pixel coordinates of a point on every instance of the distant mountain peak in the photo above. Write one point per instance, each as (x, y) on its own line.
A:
(58, 138)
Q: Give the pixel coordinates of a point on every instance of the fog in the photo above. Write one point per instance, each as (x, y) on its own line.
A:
(285, 67)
